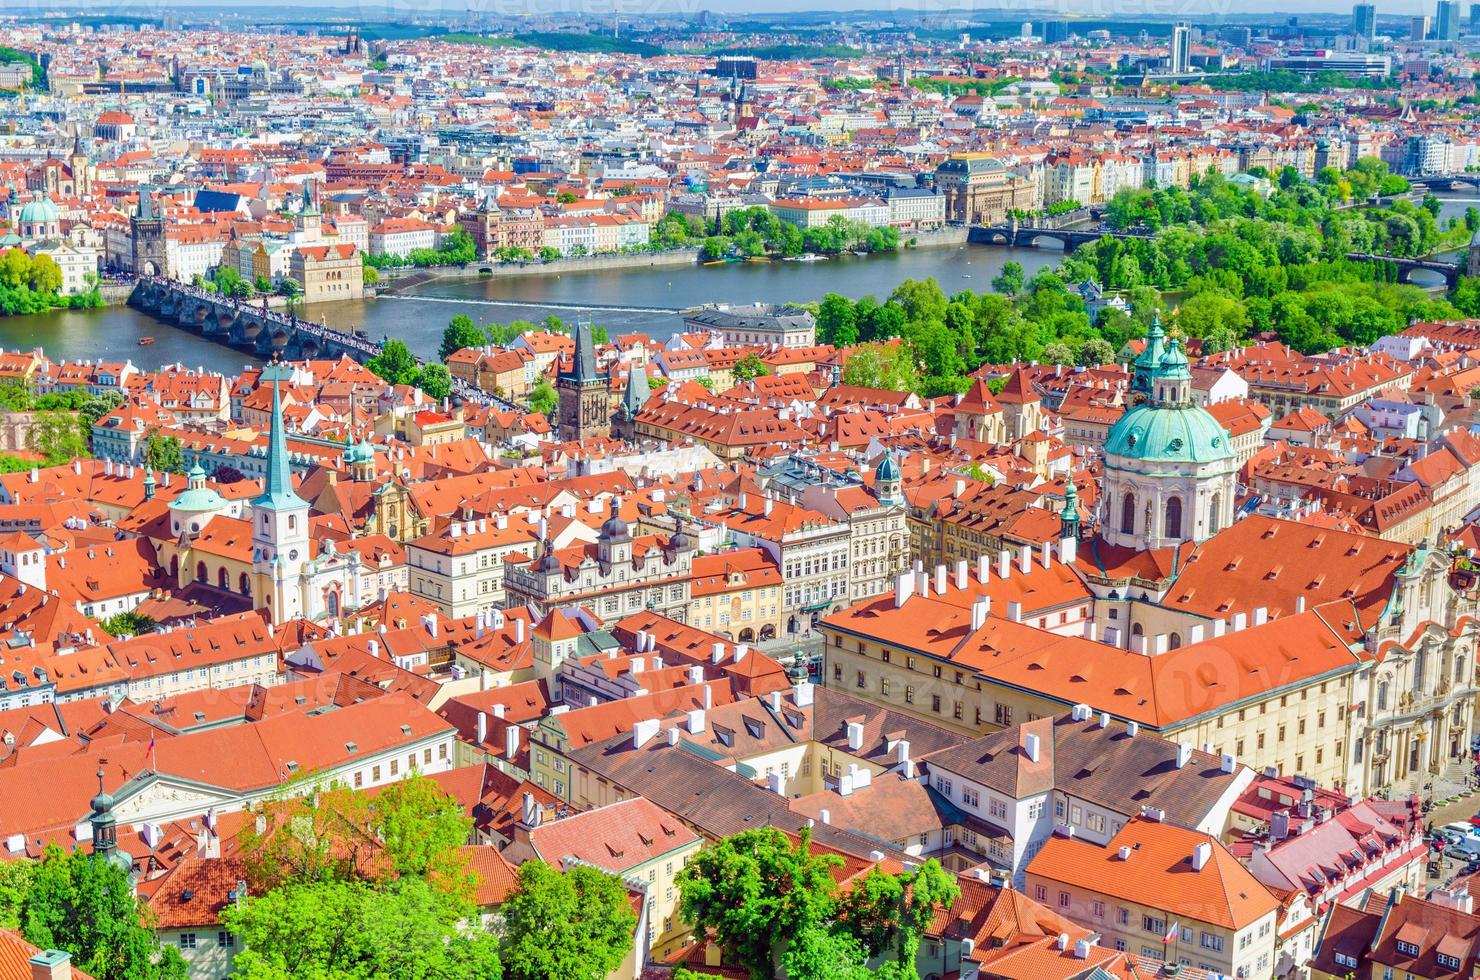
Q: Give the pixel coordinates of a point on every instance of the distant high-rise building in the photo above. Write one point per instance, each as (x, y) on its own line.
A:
(1027, 30)
(1364, 20)
(1418, 29)
(1446, 21)
(1181, 51)
(1239, 37)
(1475, 18)
(1055, 31)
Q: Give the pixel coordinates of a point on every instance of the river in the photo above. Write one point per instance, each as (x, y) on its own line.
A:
(419, 315)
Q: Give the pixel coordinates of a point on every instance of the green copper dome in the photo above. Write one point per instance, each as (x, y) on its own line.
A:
(1168, 435)
(40, 211)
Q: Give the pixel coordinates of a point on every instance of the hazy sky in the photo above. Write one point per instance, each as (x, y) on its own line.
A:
(1116, 9)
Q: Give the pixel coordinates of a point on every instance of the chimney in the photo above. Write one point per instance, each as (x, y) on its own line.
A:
(940, 580)
(963, 573)
(1240, 620)
(1184, 755)
(1299, 604)
(519, 631)
(1227, 763)
(922, 583)
(1015, 610)
(1030, 747)
(511, 742)
(1068, 550)
(983, 567)
(1200, 855)
(695, 722)
(717, 653)
(51, 964)
(1004, 563)
(1132, 729)
(904, 587)
(855, 736)
(1261, 615)
(1046, 554)
(1195, 633)
(643, 732)
(482, 728)
(979, 610)
(824, 816)
(1104, 719)
(802, 694)
(1025, 559)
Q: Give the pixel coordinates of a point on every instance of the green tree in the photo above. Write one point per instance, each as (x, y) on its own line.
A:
(577, 924)
(369, 275)
(756, 891)
(1096, 351)
(16, 878)
(460, 333)
(162, 453)
(748, 368)
(128, 624)
(889, 366)
(837, 321)
(46, 275)
(353, 930)
(542, 398)
(395, 363)
(96, 407)
(1010, 280)
(435, 380)
(58, 437)
(87, 907)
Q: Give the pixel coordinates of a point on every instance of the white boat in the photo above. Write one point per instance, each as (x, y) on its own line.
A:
(809, 257)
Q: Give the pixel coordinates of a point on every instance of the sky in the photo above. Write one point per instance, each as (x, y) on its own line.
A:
(1197, 10)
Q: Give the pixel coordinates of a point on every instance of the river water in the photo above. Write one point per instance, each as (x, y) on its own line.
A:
(622, 300)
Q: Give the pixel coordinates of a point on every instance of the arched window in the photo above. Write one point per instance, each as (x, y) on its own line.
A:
(1128, 514)
(201, 575)
(1382, 696)
(1215, 513)
(1173, 528)
(223, 579)
(1174, 640)
(175, 567)
(1137, 630)
(331, 605)
(244, 584)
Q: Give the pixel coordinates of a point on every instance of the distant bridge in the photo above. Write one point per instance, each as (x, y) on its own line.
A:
(1030, 236)
(1446, 181)
(265, 332)
(238, 323)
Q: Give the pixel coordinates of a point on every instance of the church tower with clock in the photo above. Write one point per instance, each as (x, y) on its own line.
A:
(585, 393)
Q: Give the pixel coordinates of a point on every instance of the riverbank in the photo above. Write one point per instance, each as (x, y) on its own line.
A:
(953, 235)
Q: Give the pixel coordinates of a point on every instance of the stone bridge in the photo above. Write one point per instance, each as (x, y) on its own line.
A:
(1446, 182)
(265, 332)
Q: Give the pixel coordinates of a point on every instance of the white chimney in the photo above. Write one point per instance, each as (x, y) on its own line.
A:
(822, 815)
(511, 741)
(1025, 559)
(904, 587)
(695, 721)
(963, 573)
(1030, 746)
(1004, 563)
(1227, 764)
(519, 628)
(1240, 620)
(979, 610)
(983, 567)
(1068, 550)
(1200, 855)
(1132, 729)
(940, 580)
(482, 728)
(643, 732)
(1015, 610)
(1046, 554)
(1261, 615)
(1184, 754)
(855, 736)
